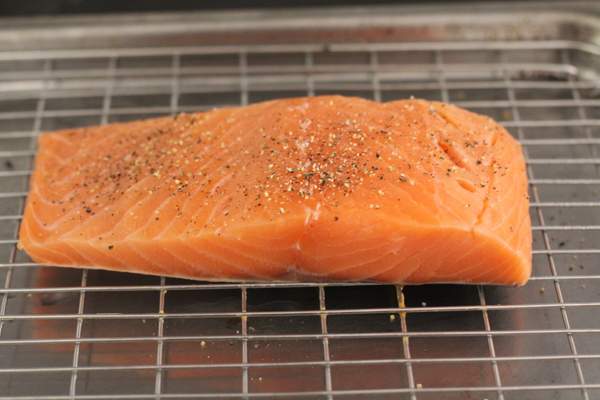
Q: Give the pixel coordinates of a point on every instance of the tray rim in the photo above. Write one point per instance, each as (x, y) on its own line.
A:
(575, 21)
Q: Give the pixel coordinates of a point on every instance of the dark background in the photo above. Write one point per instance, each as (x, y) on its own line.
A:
(56, 7)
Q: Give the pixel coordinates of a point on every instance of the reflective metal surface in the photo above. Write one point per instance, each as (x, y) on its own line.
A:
(68, 333)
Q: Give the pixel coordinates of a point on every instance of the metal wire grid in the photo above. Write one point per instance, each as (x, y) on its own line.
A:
(66, 334)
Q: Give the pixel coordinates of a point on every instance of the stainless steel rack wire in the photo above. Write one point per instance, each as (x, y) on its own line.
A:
(87, 334)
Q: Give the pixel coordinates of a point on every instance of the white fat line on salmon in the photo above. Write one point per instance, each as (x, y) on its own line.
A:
(312, 214)
(309, 216)
(220, 183)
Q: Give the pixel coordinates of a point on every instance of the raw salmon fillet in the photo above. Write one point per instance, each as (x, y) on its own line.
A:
(319, 188)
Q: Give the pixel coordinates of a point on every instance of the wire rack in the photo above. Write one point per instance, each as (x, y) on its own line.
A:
(78, 334)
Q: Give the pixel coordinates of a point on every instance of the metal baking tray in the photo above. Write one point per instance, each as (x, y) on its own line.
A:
(76, 334)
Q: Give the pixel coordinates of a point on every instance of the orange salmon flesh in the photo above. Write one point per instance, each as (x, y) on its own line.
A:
(313, 189)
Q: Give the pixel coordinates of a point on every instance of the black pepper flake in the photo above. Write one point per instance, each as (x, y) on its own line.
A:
(336, 218)
(88, 210)
(110, 247)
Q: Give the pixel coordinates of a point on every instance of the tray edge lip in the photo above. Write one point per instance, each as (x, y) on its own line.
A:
(579, 18)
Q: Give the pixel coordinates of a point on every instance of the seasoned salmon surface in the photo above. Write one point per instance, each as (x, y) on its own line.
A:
(315, 188)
